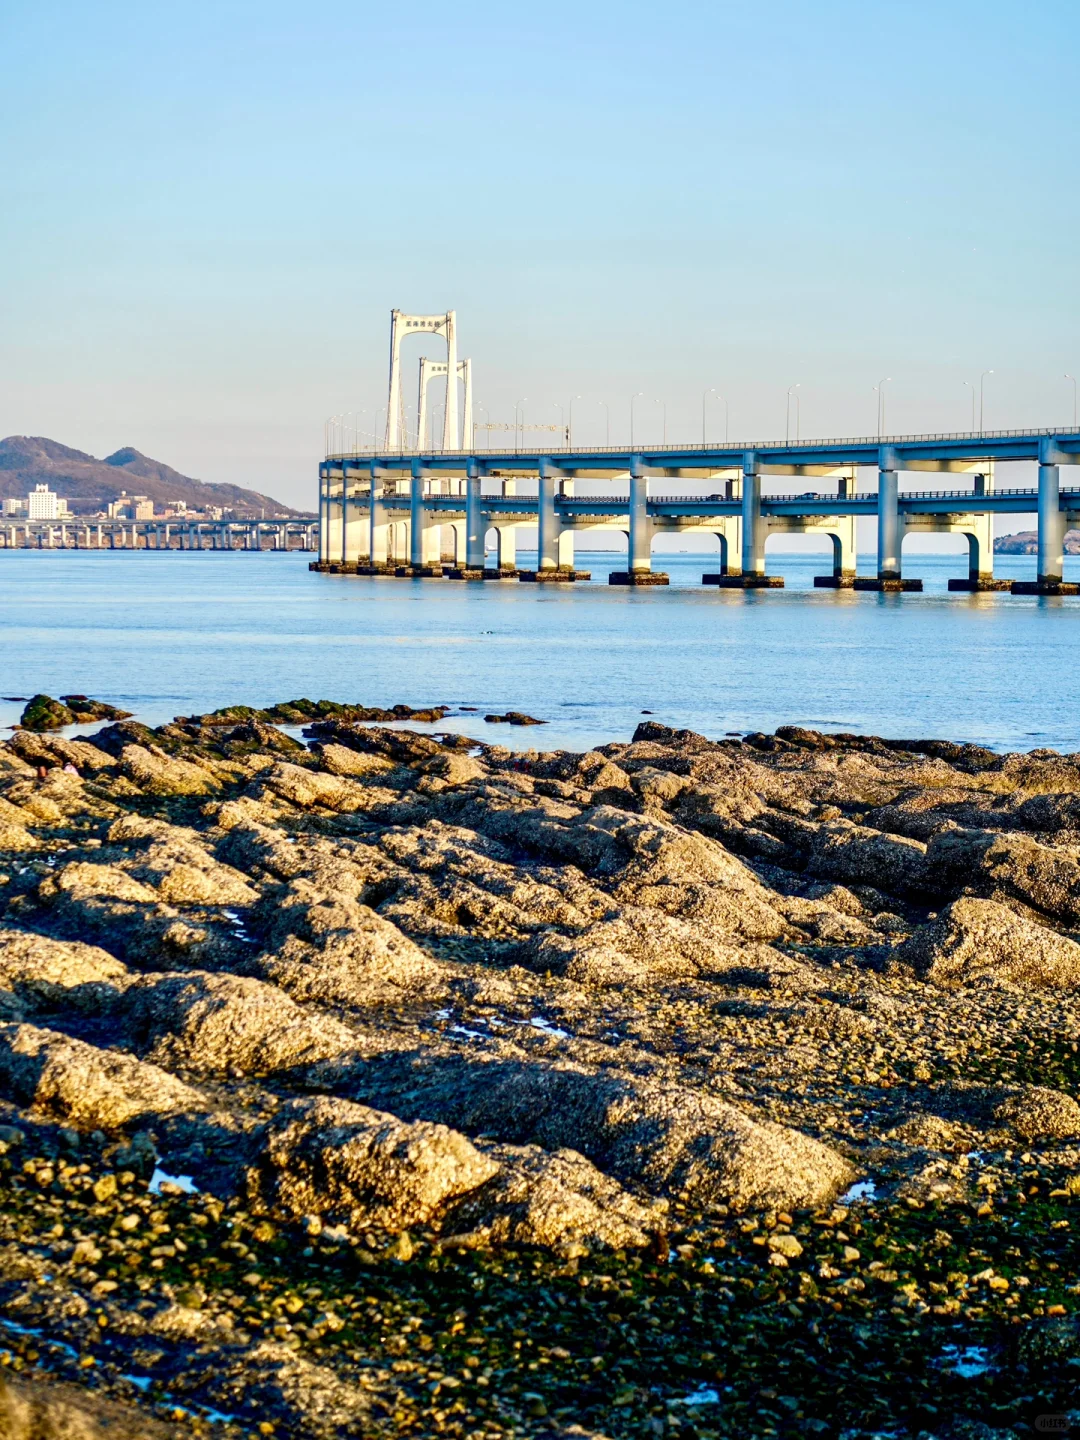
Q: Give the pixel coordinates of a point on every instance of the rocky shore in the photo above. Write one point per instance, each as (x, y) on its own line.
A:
(355, 1081)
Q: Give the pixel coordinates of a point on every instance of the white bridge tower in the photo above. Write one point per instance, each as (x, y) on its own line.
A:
(401, 326)
(431, 370)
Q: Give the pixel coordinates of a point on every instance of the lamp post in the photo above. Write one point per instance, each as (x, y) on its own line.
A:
(664, 404)
(570, 427)
(982, 378)
(1073, 379)
(519, 425)
(637, 396)
(487, 421)
(704, 395)
(607, 432)
(791, 389)
(880, 388)
(971, 387)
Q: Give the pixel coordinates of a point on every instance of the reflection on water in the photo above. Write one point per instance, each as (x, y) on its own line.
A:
(179, 633)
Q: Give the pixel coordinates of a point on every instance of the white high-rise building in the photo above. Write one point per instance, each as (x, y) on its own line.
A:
(43, 503)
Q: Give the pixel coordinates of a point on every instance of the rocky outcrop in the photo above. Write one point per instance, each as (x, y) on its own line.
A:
(83, 1086)
(331, 1157)
(983, 941)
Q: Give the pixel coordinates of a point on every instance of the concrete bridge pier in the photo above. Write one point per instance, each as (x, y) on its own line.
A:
(354, 525)
(639, 569)
(978, 529)
(505, 544)
(551, 537)
(728, 532)
(890, 531)
(1051, 542)
(754, 531)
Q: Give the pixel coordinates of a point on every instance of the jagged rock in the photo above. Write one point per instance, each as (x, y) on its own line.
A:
(175, 861)
(854, 854)
(669, 1139)
(161, 774)
(1036, 1113)
(46, 969)
(327, 1156)
(55, 750)
(269, 1378)
(982, 940)
(454, 769)
(341, 760)
(335, 950)
(303, 787)
(1044, 878)
(86, 1088)
(223, 1023)
(553, 1200)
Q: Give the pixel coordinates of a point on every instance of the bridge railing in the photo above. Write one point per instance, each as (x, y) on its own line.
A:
(733, 447)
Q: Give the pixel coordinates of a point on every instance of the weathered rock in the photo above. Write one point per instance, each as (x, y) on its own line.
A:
(335, 950)
(222, 1023)
(669, 1139)
(854, 854)
(46, 969)
(86, 1088)
(177, 863)
(305, 788)
(156, 773)
(1042, 877)
(984, 941)
(1035, 1113)
(331, 1157)
(552, 1200)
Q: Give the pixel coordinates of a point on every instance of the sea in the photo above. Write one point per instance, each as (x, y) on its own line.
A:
(179, 633)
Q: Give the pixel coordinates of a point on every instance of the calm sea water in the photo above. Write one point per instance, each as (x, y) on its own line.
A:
(175, 633)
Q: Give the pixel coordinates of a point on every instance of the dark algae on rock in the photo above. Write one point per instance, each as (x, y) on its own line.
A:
(42, 712)
(380, 1083)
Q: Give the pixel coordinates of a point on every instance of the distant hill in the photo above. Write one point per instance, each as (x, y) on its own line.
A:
(1026, 542)
(89, 484)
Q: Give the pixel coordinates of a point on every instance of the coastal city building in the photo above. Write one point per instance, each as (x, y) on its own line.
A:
(44, 504)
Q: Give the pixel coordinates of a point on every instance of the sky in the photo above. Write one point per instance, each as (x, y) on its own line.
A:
(210, 209)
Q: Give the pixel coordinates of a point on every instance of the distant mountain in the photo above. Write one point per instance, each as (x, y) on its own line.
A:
(89, 484)
(1026, 542)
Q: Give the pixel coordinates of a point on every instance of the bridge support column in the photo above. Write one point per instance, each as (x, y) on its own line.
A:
(753, 532)
(1051, 542)
(888, 565)
(353, 528)
(424, 536)
(754, 529)
(547, 542)
(639, 537)
(474, 519)
(506, 538)
(890, 529)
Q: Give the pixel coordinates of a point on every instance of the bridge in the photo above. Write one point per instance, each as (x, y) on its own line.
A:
(72, 533)
(390, 511)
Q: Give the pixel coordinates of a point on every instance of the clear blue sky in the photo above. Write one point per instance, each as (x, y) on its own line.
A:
(209, 210)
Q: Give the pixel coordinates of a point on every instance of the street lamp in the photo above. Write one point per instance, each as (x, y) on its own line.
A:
(982, 377)
(519, 426)
(664, 404)
(791, 389)
(638, 396)
(570, 427)
(487, 421)
(607, 433)
(880, 388)
(704, 396)
(1073, 379)
(375, 440)
(971, 387)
